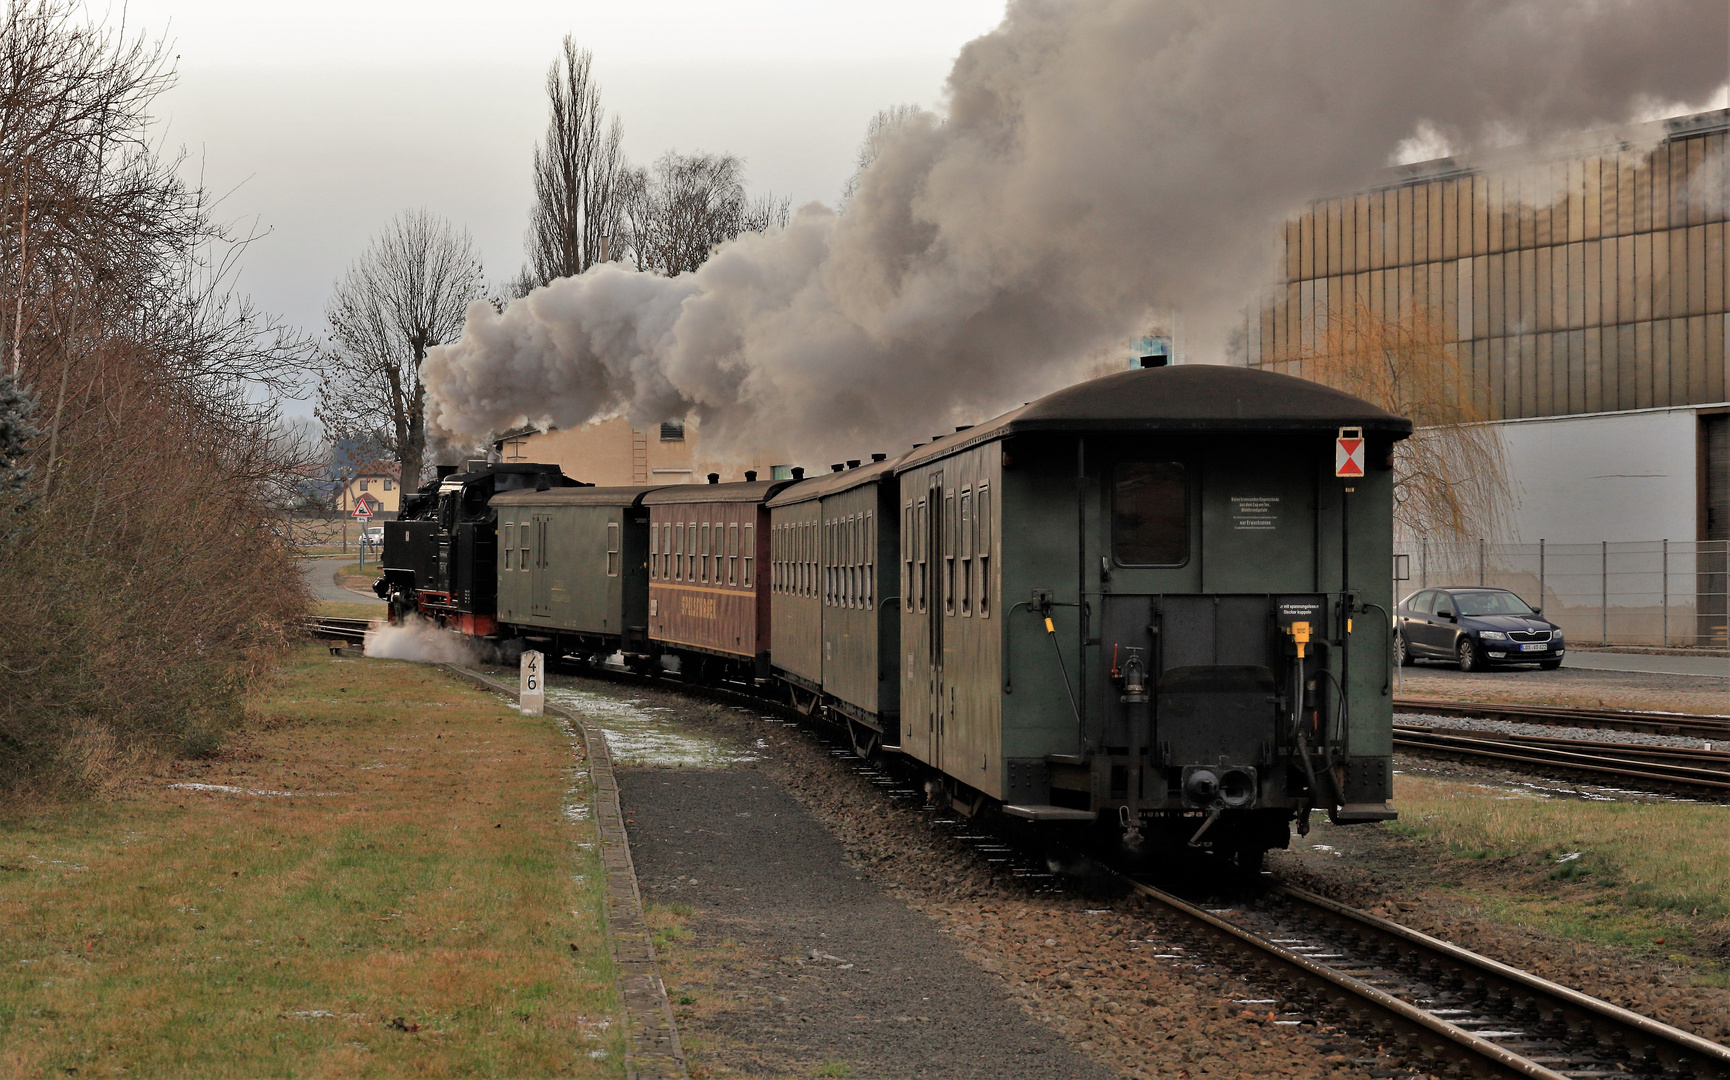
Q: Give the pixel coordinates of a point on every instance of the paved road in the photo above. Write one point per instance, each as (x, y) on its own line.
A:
(1709, 666)
(320, 574)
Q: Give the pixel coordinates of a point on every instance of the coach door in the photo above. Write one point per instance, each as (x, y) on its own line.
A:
(939, 595)
(540, 588)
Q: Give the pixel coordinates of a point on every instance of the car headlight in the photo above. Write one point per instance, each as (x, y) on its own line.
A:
(1492, 635)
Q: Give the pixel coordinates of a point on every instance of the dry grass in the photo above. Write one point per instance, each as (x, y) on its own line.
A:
(1593, 870)
(426, 868)
(349, 611)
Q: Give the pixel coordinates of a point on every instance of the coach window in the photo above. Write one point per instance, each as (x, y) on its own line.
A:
(749, 554)
(966, 543)
(907, 555)
(510, 541)
(870, 558)
(733, 553)
(922, 559)
(1149, 514)
(949, 554)
(982, 516)
(679, 551)
(612, 549)
(666, 552)
(654, 552)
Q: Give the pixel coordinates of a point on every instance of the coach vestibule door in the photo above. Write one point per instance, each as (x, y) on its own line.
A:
(937, 702)
(540, 588)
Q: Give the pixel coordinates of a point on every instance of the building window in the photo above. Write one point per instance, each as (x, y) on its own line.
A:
(612, 549)
(387, 483)
(1149, 514)
(749, 553)
(673, 431)
(365, 485)
(982, 515)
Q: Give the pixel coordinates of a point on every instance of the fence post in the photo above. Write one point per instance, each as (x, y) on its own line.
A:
(1666, 579)
(1480, 562)
(1542, 603)
(1603, 592)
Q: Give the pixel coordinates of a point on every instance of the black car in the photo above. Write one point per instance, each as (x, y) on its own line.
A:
(1475, 628)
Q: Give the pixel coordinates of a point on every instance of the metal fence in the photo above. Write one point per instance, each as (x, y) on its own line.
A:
(1649, 592)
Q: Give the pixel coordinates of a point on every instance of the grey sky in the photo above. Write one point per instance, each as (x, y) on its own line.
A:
(321, 119)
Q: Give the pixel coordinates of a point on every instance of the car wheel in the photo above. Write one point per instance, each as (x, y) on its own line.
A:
(1470, 660)
(1401, 653)
(1549, 665)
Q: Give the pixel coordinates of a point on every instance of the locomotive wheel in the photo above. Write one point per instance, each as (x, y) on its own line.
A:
(1401, 652)
(1468, 654)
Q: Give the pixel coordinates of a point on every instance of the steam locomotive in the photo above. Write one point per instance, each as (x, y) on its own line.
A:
(1145, 602)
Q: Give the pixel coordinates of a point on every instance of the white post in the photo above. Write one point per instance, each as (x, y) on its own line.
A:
(532, 696)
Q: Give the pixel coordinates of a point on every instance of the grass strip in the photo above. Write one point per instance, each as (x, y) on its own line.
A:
(404, 882)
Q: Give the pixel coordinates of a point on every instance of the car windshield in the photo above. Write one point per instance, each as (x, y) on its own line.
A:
(1491, 603)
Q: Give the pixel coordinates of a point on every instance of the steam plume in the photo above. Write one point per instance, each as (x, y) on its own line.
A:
(1099, 158)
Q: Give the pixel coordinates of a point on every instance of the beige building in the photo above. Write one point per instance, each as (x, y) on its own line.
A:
(377, 483)
(612, 453)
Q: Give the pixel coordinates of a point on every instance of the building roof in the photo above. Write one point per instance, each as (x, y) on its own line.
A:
(1185, 398)
(370, 469)
(574, 496)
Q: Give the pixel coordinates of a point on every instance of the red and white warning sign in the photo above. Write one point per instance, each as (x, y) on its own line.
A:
(363, 509)
(1349, 453)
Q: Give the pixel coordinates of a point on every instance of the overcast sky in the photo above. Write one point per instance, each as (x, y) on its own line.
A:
(321, 119)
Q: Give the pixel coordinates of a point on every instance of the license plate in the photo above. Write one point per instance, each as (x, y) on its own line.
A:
(1535, 646)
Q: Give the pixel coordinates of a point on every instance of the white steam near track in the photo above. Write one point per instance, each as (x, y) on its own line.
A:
(1099, 158)
(418, 639)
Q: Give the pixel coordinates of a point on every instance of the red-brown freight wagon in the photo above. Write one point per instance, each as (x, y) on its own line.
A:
(708, 587)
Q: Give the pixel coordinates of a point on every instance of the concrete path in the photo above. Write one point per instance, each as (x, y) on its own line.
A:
(321, 575)
(1709, 666)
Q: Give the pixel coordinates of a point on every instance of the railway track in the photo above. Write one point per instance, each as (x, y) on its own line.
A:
(1631, 763)
(1653, 723)
(1444, 1006)
(326, 627)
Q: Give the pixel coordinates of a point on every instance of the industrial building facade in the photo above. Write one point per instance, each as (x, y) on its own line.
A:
(1587, 294)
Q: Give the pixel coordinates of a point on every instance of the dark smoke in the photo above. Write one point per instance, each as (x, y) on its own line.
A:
(1099, 159)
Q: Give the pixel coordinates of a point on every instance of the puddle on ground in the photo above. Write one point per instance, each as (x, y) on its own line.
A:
(639, 734)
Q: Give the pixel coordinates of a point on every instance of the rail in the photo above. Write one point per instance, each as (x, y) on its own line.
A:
(1617, 761)
(1655, 723)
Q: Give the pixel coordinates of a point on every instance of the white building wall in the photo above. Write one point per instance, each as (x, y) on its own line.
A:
(1610, 476)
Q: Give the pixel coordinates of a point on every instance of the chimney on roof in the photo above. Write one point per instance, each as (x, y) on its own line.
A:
(837, 467)
(714, 478)
(750, 476)
(879, 457)
(798, 472)
(852, 463)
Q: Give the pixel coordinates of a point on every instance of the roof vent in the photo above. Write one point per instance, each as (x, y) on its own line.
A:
(1155, 361)
(714, 478)
(750, 476)
(852, 463)
(837, 467)
(798, 472)
(879, 457)
(963, 427)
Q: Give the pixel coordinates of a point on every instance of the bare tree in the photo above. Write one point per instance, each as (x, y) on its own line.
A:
(677, 213)
(407, 293)
(575, 219)
(1451, 476)
(877, 132)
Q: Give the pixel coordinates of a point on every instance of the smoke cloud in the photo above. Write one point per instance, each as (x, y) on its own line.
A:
(1099, 159)
(419, 640)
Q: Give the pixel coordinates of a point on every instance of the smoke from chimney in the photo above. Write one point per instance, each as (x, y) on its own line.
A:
(1098, 159)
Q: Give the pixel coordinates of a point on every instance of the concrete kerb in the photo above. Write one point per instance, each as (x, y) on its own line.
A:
(652, 1050)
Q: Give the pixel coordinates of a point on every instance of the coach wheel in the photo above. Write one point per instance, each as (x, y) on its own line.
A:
(1469, 658)
(1401, 652)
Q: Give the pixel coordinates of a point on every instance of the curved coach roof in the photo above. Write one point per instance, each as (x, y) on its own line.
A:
(754, 491)
(833, 483)
(583, 496)
(1185, 398)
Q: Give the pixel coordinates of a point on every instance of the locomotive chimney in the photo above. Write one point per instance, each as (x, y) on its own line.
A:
(714, 478)
(444, 470)
(750, 476)
(798, 472)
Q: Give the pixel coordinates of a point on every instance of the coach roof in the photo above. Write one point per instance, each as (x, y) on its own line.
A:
(754, 491)
(1185, 398)
(833, 483)
(583, 496)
